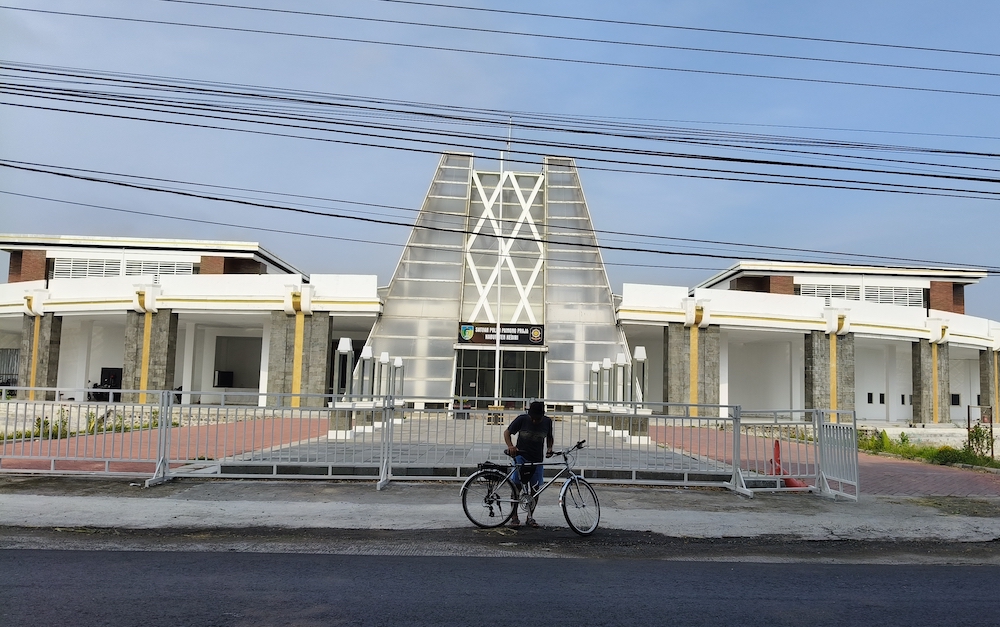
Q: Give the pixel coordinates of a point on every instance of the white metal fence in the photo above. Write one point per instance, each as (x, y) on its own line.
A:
(381, 437)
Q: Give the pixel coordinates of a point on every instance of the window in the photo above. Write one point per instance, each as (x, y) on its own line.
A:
(881, 399)
(902, 399)
(870, 400)
(846, 292)
(65, 268)
(902, 296)
(956, 399)
(522, 375)
(140, 268)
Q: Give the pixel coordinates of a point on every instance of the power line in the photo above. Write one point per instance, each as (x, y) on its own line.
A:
(512, 55)
(723, 175)
(660, 169)
(319, 235)
(575, 124)
(378, 221)
(590, 231)
(173, 105)
(694, 29)
(633, 44)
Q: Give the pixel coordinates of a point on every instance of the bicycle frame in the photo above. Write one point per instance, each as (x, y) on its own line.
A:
(567, 470)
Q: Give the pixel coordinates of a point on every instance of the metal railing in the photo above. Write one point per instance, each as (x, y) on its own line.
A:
(386, 438)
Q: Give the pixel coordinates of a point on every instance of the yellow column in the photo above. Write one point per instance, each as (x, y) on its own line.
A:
(699, 314)
(693, 370)
(297, 351)
(934, 380)
(833, 372)
(34, 350)
(147, 335)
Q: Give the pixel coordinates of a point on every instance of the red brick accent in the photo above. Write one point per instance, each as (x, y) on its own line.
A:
(751, 284)
(942, 296)
(958, 298)
(782, 285)
(213, 265)
(14, 270)
(236, 265)
(30, 266)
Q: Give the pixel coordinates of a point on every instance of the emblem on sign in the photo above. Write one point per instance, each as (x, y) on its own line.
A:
(535, 335)
(467, 331)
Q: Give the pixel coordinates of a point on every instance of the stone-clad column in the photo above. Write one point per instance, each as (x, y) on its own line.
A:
(820, 368)
(157, 359)
(677, 365)
(989, 381)
(38, 364)
(931, 383)
(315, 358)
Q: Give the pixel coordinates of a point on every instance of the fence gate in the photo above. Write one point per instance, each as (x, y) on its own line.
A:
(838, 454)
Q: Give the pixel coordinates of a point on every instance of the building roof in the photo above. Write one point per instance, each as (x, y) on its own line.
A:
(963, 276)
(12, 242)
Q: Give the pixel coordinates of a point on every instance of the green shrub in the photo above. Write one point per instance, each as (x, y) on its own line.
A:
(949, 455)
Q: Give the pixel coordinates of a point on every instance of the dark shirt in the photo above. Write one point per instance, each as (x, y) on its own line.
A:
(531, 437)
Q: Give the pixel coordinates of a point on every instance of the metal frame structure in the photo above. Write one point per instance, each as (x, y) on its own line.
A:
(383, 437)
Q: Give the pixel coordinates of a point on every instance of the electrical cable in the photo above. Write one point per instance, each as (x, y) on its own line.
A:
(693, 28)
(512, 55)
(415, 225)
(613, 42)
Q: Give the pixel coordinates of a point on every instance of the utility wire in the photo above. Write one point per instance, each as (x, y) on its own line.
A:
(414, 225)
(613, 42)
(593, 231)
(176, 106)
(320, 235)
(693, 28)
(658, 169)
(723, 175)
(512, 55)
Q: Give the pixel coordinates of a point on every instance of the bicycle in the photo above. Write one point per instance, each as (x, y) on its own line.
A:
(491, 494)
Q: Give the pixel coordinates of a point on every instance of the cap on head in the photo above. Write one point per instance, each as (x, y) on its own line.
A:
(536, 409)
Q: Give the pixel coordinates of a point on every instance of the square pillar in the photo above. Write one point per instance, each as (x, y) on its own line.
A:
(822, 372)
(38, 365)
(931, 383)
(678, 375)
(152, 359)
(314, 358)
(989, 382)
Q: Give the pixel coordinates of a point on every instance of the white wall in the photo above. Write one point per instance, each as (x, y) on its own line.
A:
(764, 373)
(105, 340)
(964, 382)
(883, 367)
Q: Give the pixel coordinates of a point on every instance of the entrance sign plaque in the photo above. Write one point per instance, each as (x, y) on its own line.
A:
(510, 334)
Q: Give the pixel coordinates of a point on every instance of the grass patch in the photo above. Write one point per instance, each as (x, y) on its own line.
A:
(976, 451)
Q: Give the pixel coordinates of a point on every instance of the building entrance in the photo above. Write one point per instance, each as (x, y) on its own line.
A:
(522, 375)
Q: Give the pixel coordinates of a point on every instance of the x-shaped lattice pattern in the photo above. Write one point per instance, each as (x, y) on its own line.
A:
(491, 199)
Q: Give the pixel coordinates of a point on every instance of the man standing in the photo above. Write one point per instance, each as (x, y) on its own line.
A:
(533, 429)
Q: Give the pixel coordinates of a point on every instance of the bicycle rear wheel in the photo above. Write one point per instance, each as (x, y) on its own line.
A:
(580, 506)
(489, 499)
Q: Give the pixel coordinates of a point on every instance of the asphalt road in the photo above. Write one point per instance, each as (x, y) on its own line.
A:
(209, 589)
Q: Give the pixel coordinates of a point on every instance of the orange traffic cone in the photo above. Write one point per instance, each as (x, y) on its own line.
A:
(776, 469)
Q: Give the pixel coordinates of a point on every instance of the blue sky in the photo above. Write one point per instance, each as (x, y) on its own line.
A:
(925, 227)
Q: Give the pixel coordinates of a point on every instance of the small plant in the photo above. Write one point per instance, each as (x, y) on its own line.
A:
(904, 440)
(980, 442)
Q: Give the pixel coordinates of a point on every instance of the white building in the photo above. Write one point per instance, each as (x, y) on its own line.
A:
(514, 250)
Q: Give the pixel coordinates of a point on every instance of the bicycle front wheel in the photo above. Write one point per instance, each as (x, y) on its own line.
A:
(489, 499)
(580, 506)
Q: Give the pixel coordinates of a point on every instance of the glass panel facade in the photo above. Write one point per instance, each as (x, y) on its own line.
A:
(497, 269)
(522, 375)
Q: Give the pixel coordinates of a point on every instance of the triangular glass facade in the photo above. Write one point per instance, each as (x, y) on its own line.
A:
(510, 249)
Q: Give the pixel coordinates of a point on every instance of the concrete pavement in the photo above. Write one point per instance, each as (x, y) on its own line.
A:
(103, 503)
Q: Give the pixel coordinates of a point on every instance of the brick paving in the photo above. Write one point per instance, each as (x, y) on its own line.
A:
(885, 476)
